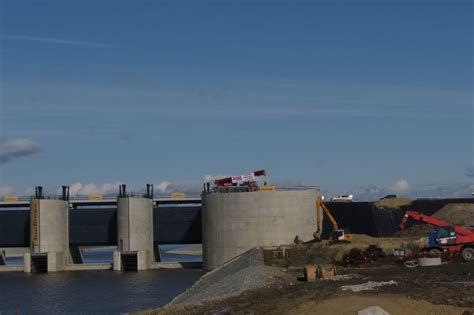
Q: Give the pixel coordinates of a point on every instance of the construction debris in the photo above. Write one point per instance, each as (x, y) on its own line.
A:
(429, 261)
(358, 257)
(373, 310)
(367, 286)
(313, 272)
(344, 277)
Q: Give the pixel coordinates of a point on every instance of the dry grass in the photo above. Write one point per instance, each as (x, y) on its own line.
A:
(393, 203)
(362, 241)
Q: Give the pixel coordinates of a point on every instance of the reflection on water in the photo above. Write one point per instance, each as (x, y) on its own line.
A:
(97, 292)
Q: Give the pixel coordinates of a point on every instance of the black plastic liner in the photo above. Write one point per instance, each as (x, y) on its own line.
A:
(367, 218)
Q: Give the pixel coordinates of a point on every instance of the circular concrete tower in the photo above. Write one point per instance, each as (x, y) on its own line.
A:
(233, 223)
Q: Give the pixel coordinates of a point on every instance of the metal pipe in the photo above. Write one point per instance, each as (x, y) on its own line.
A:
(39, 192)
(65, 193)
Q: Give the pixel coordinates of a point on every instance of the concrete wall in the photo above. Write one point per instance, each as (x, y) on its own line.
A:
(233, 223)
(135, 229)
(49, 225)
(54, 226)
(135, 224)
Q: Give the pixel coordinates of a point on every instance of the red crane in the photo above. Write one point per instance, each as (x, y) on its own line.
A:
(240, 180)
(449, 237)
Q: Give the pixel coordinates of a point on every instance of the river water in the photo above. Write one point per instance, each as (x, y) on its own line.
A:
(94, 292)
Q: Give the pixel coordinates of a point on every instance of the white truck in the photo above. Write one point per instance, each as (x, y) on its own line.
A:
(342, 198)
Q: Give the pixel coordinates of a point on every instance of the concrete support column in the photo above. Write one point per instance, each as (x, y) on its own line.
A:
(49, 236)
(27, 262)
(117, 262)
(135, 230)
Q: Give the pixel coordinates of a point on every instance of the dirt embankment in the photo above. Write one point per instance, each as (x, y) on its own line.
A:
(324, 252)
(455, 213)
(443, 289)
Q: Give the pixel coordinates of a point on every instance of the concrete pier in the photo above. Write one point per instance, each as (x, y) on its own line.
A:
(233, 223)
(49, 226)
(134, 234)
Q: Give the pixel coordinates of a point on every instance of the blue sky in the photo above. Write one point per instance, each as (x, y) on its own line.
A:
(365, 97)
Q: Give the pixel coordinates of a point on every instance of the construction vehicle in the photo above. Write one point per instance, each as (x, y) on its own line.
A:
(447, 237)
(239, 183)
(337, 235)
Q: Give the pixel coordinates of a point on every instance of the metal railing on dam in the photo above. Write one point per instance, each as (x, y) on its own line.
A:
(106, 200)
(239, 189)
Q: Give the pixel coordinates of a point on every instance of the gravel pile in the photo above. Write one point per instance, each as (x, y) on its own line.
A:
(243, 273)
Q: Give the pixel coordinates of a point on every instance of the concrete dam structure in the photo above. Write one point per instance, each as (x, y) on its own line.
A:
(49, 235)
(236, 222)
(135, 233)
(53, 233)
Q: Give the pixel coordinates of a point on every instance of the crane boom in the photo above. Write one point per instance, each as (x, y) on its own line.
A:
(228, 181)
(433, 221)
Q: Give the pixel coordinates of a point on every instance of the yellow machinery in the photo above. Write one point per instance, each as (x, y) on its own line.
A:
(337, 235)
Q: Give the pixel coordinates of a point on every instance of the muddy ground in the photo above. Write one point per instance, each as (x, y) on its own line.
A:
(448, 289)
(445, 289)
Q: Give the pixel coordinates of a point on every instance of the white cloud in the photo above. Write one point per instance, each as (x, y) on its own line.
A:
(211, 178)
(92, 188)
(52, 40)
(401, 186)
(186, 186)
(403, 189)
(5, 189)
(16, 148)
(29, 191)
(163, 186)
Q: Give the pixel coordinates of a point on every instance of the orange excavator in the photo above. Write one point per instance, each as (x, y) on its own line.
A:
(337, 235)
(447, 237)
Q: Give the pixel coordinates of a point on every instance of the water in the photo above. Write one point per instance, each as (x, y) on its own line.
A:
(94, 292)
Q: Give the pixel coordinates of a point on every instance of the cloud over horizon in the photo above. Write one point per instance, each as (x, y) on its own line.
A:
(16, 148)
(5, 189)
(78, 188)
(403, 189)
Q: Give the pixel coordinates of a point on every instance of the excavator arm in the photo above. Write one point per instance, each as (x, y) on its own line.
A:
(337, 235)
(319, 205)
